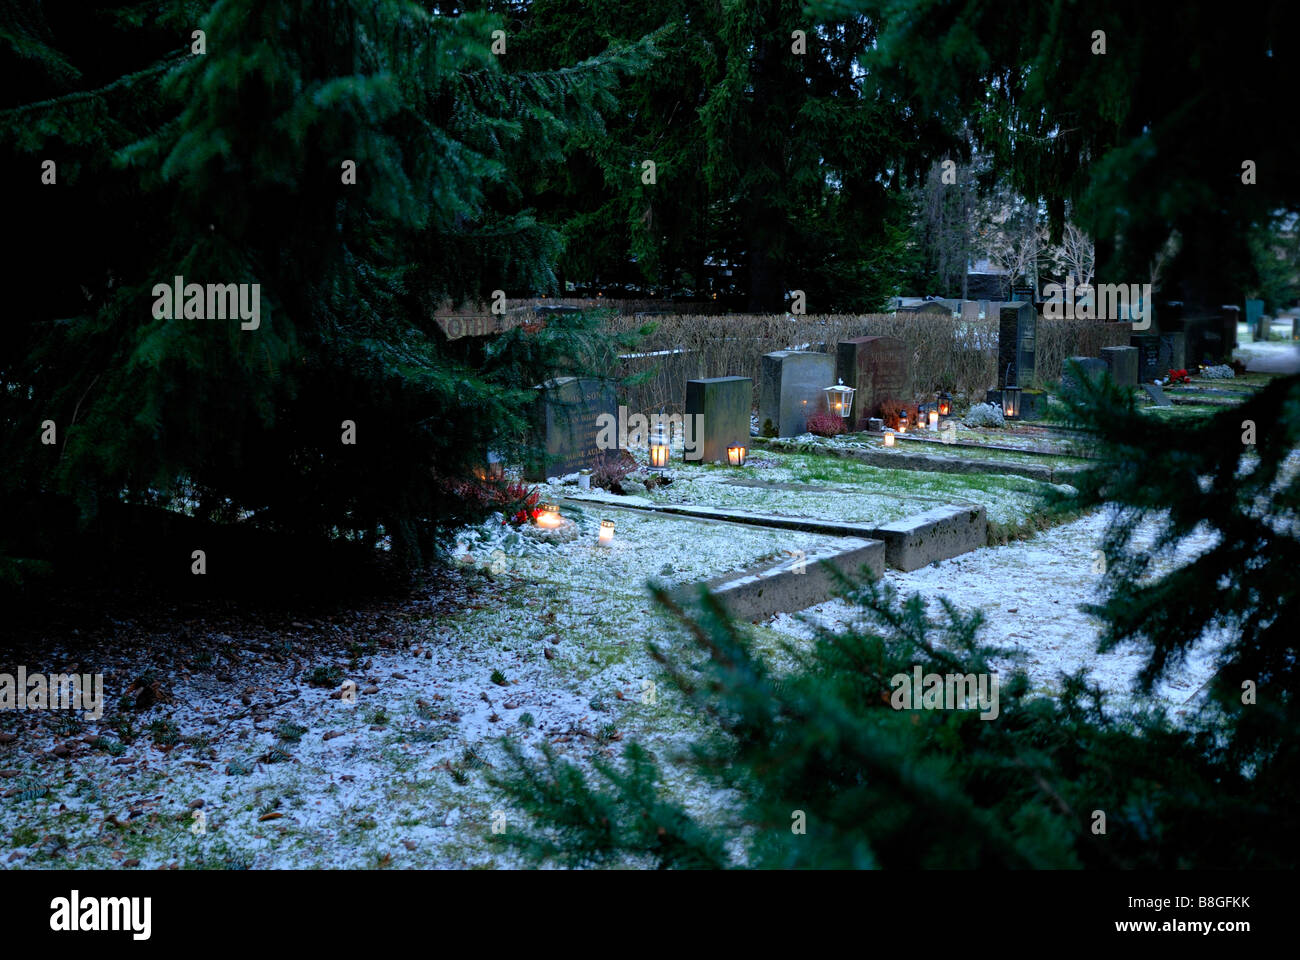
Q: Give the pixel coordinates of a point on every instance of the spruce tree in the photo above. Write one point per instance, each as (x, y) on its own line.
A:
(232, 165)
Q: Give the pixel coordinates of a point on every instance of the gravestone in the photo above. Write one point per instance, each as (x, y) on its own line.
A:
(1173, 353)
(724, 403)
(1157, 395)
(1227, 330)
(1255, 321)
(565, 427)
(1092, 367)
(1016, 329)
(1194, 331)
(878, 369)
(1148, 348)
(1123, 364)
(791, 387)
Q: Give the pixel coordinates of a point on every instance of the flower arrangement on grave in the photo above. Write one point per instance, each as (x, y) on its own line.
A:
(1179, 376)
(517, 502)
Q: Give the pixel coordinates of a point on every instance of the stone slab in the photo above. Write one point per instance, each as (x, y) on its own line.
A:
(936, 534)
(791, 387)
(1157, 395)
(798, 582)
(565, 430)
(1017, 331)
(878, 369)
(1123, 364)
(1148, 348)
(1173, 353)
(1092, 367)
(724, 403)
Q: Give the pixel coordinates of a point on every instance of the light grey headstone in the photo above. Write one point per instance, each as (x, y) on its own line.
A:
(791, 387)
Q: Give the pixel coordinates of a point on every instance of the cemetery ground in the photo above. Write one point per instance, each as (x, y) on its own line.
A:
(235, 747)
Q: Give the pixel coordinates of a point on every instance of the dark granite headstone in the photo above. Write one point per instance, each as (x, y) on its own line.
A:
(1092, 367)
(1157, 395)
(1173, 353)
(1227, 331)
(878, 369)
(791, 387)
(725, 404)
(1123, 364)
(1033, 403)
(1017, 324)
(1194, 330)
(565, 425)
(1148, 348)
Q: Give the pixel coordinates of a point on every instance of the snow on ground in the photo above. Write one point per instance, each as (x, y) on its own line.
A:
(1272, 356)
(1030, 592)
(542, 642)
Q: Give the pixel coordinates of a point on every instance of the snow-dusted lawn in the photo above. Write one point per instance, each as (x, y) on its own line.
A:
(1030, 592)
(840, 489)
(541, 642)
(393, 784)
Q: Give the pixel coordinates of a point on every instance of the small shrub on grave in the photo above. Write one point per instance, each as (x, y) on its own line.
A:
(611, 472)
(823, 424)
(985, 415)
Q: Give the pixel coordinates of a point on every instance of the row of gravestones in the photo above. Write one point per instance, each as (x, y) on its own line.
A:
(572, 414)
(576, 419)
(793, 385)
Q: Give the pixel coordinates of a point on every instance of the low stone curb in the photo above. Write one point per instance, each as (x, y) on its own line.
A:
(898, 459)
(936, 534)
(798, 583)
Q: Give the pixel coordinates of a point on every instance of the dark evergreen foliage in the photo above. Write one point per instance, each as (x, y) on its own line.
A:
(227, 167)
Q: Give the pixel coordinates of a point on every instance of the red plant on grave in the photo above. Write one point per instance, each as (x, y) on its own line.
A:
(1179, 376)
(825, 424)
(517, 501)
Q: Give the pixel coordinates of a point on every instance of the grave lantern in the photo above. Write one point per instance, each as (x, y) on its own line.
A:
(902, 421)
(839, 399)
(658, 450)
(934, 418)
(1011, 402)
(945, 403)
(549, 516)
(736, 455)
(606, 532)
(889, 438)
